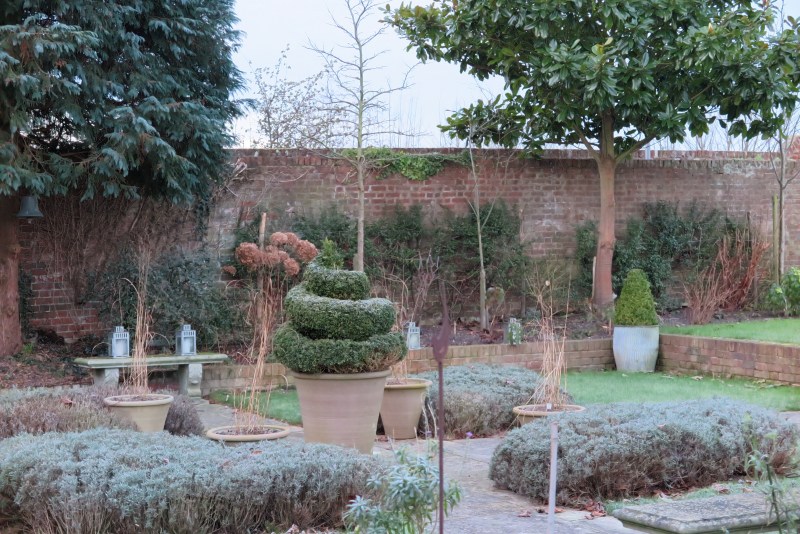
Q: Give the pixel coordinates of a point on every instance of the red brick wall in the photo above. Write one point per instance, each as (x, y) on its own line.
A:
(728, 357)
(552, 194)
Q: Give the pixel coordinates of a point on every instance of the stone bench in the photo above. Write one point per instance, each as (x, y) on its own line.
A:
(743, 514)
(190, 368)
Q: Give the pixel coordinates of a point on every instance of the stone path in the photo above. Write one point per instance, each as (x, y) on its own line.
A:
(483, 508)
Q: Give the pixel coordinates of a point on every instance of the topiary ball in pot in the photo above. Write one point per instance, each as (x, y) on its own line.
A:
(339, 346)
(636, 326)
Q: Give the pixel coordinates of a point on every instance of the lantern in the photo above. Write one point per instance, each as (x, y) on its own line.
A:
(412, 336)
(119, 343)
(185, 341)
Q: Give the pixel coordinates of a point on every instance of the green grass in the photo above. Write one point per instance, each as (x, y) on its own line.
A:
(613, 386)
(283, 404)
(775, 330)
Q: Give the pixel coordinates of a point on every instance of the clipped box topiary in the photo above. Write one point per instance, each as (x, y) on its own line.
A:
(635, 326)
(339, 346)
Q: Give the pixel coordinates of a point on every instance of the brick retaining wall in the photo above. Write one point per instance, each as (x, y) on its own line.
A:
(587, 355)
(729, 357)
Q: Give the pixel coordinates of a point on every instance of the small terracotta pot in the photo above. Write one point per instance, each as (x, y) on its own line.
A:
(148, 411)
(341, 409)
(229, 436)
(402, 407)
(531, 412)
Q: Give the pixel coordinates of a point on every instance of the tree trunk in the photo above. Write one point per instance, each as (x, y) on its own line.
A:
(10, 330)
(358, 260)
(603, 291)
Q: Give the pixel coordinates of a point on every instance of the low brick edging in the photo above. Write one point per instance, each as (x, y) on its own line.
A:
(729, 358)
(587, 355)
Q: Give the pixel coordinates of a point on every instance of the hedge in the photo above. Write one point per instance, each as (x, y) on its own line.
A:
(623, 450)
(635, 305)
(304, 355)
(336, 283)
(326, 318)
(124, 481)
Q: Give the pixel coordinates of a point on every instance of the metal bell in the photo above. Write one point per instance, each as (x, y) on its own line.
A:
(29, 208)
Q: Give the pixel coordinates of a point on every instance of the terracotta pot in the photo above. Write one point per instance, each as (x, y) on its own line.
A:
(531, 412)
(402, 407)
(148, 412)
(635, 348)
(230, 435)
(341, 409)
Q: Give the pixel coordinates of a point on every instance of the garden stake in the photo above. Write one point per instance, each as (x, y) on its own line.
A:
(440, 344)
(551, 498)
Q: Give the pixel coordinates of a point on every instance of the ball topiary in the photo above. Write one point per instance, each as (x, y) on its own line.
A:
(313, 356)
(635, 305)
(322, 317)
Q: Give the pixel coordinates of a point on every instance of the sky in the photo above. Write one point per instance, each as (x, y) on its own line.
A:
(436, 89)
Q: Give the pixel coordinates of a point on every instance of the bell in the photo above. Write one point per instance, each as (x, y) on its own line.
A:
(29, 208)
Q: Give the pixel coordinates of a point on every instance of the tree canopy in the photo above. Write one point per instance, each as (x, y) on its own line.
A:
(611, 76)
(130, 97)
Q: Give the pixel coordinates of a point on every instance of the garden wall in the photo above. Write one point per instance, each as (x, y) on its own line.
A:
(552, 196)
(728, 357)
(584, 355)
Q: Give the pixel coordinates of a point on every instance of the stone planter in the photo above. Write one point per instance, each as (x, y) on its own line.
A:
(531, 412)
(341, 409)
(402, 406)
(148, 411)
(234, 435)
(635, 348)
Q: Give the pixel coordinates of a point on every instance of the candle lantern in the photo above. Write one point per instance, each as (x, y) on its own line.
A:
(119, 343)
(412, 336)
(185, 341)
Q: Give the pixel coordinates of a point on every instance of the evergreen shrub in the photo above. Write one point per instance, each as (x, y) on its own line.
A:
(786, 295)
(622, 450)
(335, 283)
(322, 317)
(635, 305)
(312, 356)
(479, 398)
(130, 482)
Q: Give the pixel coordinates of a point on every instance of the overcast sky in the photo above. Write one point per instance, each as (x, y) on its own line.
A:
(438, 88)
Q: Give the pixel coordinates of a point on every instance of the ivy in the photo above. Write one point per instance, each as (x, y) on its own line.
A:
(415, 167)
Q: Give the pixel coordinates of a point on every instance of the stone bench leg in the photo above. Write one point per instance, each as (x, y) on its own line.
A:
(106, 377)
(190, 377)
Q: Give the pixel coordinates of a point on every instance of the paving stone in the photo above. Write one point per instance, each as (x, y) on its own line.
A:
(743, 513)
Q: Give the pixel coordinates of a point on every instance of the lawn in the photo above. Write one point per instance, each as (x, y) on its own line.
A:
(775, 330)
(283, 405)
(614, 386)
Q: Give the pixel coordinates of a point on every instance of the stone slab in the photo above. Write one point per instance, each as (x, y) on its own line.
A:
(743, 513)
(155, 361)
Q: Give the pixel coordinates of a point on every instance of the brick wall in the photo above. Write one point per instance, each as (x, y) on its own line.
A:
(727, 358)
(552, 194)
(585, 355)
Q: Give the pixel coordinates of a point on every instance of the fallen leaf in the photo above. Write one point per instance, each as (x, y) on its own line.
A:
(697, 377)
(559, 510)
(66, 401)
(524, 513)
(719, 488)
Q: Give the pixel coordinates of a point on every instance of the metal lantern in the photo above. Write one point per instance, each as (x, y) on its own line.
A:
(412, 336)
(514, 332)
(185, 341)
(119, 343)
(29, 208)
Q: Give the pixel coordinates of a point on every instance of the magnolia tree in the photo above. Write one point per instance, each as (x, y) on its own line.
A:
(109, 98)
(611, 76)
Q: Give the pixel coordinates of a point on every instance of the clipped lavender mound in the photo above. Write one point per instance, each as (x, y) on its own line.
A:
(622, 450)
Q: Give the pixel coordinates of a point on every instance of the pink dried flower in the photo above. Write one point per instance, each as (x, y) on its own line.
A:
(272, 256)
(291, 266)
(230, 270)
(250, 256)
(283, 255)
(292, 239)
(306, 251)
(279, 239)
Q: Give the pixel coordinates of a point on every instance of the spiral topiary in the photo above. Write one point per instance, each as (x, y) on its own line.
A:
(333, 328)
(635, 305)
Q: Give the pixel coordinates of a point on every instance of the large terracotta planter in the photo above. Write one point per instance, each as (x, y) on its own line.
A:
(148, 412)
(531, 412)
(341, 409)
(402, 407)
(635, 348)
(233, 435)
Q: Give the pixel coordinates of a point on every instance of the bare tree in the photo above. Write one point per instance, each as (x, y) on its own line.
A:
(294, 113)
(351, 67)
